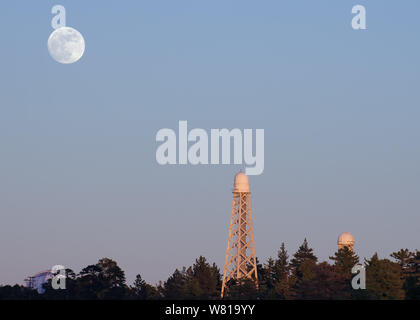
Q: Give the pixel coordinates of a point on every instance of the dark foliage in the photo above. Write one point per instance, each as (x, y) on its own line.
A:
(300, 278)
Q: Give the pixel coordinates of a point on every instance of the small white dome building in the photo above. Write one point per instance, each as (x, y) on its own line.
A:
(345, 239)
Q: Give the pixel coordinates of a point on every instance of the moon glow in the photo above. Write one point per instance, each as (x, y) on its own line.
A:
(66, 45)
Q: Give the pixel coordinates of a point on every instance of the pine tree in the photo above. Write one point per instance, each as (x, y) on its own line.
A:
(206, 278)
(281, 274)
(344, 260)
(104, 280)
(199, 281)
(281, 266)
(112, 273)
(90, 283)
(304, 254)
(383, 279)
(191, 287)
(412, 283)
(142, 290)
(302, 269)
(267, 280)
(324, 283)
(404, 258)
(174, 287)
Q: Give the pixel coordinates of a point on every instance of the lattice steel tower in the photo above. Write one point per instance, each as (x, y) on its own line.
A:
(240, 261)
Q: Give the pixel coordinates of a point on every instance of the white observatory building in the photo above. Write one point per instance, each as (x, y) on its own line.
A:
(36, 281)
(345, 239)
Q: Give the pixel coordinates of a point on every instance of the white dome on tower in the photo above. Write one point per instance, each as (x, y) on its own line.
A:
(345, 239)
(241, 183)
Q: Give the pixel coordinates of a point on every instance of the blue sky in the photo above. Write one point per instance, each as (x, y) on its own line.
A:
(78, 175)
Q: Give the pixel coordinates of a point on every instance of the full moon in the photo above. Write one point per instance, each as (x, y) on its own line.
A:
(66, 45)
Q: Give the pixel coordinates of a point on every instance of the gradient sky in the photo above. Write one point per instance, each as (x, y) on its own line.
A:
(78, 175)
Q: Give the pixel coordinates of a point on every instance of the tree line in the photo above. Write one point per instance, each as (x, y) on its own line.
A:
(300, 276)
